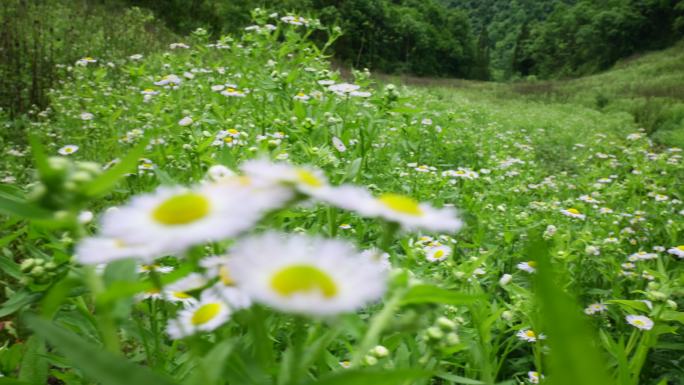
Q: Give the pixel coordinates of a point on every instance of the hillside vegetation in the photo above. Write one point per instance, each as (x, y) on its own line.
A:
(233, 211)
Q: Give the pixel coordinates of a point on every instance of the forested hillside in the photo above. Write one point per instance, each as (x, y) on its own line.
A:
(566, 38)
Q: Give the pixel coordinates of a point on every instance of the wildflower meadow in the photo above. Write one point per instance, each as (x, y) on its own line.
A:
(240, 212)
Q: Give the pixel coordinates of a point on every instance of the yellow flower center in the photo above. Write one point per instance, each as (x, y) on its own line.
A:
(231, 89)
(530, 334)
(205, 313)
(439, 253)
(180, 295)
(573, 211)
(681, 247)
(182, 209)
(228, 139)
(225, 277)
(401, 204)
(531, 263)
(638, 322)
(233, 131)
(149, 90)
(301, 94)
(308, 178)
(149, 267)
(303, 279)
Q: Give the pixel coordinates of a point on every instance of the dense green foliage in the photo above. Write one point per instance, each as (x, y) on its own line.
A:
(38, 36)
(592, 36)
(566, 205)
(414, 36)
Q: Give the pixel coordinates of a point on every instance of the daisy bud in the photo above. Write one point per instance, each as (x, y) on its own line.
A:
(370, 360)
(446, 324)
(379, 351)
(452, 339)
(27, 265)
(37, 271)
(671, 304)
(435, 333)
(656, 295)
(507, 315)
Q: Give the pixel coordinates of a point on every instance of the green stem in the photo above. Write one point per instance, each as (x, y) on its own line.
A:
(378, 323)
(105, 323)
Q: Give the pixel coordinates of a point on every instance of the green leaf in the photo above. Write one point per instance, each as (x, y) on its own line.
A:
(433, 294)
(210, 368)
(353, 169)
(630, 305)
(458, 379)
(670, 315)
(17, 301)
(575, 359)
(34, 365)
(97, 364)
(106, 181)
(372, 377)
(12, 381)
(9, 267)
(22, 209)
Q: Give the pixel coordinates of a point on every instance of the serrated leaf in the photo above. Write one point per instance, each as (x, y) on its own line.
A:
(34, 365)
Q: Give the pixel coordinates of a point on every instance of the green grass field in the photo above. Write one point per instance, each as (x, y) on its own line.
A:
(236, 212)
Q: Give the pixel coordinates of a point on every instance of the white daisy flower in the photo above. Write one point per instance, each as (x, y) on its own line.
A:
(437, 253)
(642, 256)
(190, 282)
(595, 308)
(529, 335)
(98, 250)
(302, 97)
(528, 266)
(154, 268)
(233, 92)
(234, 297)
(534, 377)
(406, 211)
(294, 20)
(677, 250)
(86, 116)
(376, 255)
(219, 172)
(85, 217)
(85, 61)
(175, 218)
(505, 279)
(216, 266)
(640, 321)
(186, 121)
(573, 212)
(345, 226)
(173, 80)
(338, 144)
(178, 46)
(179, 297)
(306, 275)
(306, 180)
(204, 316)
(68, 149)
